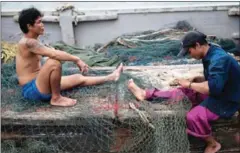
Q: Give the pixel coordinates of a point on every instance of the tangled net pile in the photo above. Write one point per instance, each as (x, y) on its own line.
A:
(141, 48)
(161, 46)
(94, 124)
(9, 51)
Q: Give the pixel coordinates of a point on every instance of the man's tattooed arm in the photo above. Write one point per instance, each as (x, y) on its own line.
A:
(33, 45)
(38, 48)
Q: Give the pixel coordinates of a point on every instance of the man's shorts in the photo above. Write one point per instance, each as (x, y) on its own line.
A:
(30, 91)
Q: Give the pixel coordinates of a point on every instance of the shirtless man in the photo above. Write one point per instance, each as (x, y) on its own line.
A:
(45, 82)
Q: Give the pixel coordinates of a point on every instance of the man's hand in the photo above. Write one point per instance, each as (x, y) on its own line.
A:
(184, 83)
(176, 82)
(82, 66)
(197, 79)
(198, 87)
(192, 79)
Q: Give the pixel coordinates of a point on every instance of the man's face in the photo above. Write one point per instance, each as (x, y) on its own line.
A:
(195, 52)
(38, 27)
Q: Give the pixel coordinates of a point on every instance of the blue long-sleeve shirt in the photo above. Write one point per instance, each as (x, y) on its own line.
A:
(222, 72)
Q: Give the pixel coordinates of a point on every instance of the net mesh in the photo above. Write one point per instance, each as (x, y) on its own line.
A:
(102, 120)
(161, 46)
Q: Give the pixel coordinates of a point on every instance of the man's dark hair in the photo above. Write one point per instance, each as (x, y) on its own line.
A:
(28, 16)
(193, 37)
(190, 40)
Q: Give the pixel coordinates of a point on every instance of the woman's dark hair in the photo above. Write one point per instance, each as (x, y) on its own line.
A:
(28, 16)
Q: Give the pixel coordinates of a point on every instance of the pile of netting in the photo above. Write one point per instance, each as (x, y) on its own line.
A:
(9, 51)
(145, 48)
(102, 120)
(161, 46)
(140, 48)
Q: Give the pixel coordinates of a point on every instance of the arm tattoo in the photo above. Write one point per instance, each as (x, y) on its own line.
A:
(33, 45)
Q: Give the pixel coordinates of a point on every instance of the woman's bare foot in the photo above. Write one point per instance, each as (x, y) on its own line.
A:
(63, 101)
(139, 93)
(116, 74)
(213, 147)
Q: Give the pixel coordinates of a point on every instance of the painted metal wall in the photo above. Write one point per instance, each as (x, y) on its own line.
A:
(108, 5)
(88, 33)
(10, 31)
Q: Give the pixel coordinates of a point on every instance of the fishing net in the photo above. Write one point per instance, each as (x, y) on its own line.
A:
(161, 46)
(102, 120)
(9, 51)
(139, 48)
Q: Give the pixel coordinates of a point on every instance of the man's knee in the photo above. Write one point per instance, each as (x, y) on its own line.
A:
(54, 63)
(192, 116)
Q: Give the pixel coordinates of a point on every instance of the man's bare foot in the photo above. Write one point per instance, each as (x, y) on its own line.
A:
(139, 93)
(116, 73)
(237, 137)
(63, 101)
(213, 147)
